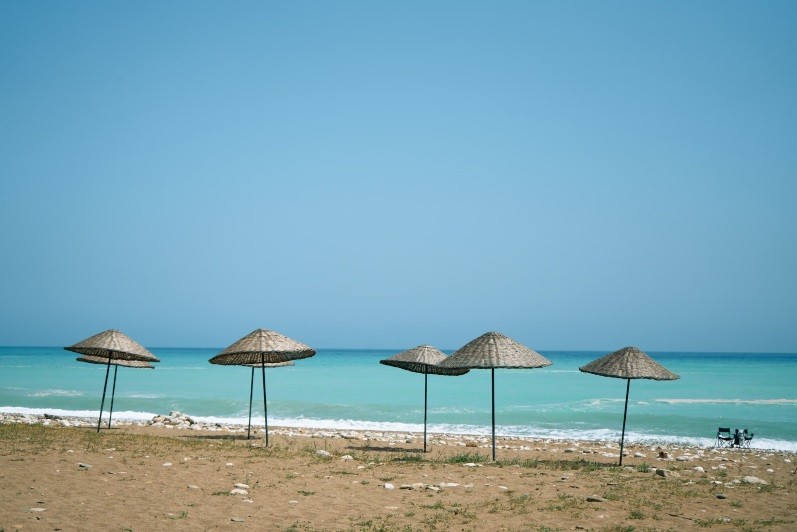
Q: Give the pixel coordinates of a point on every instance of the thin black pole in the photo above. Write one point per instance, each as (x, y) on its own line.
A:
(492, 374)
(113, 393)
(105, 387)
(265, 403)
(625, 413)
(251, 390)
(425, 380)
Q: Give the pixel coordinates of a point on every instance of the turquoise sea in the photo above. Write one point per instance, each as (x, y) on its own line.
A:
(340, 388)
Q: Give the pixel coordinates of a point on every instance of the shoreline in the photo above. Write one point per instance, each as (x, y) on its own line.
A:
(177, 421)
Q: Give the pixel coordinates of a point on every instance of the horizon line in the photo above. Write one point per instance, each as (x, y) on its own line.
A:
(398, 350)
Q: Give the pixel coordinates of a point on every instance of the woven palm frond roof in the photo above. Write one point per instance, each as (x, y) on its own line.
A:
(629, 363)
(495, 350)
(113, 344)
(422, 359)
(262, 345)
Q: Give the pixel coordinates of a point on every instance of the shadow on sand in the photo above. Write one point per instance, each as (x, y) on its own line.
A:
(374, 448)
(221, 437)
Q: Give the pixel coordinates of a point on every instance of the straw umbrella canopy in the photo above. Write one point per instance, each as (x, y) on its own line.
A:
(261, 347)
(111, 345)
(115, 363)
(494, 350)
(423, 359)
(628, 363)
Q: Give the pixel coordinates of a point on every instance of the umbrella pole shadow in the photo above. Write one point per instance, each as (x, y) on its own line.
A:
(384, 449)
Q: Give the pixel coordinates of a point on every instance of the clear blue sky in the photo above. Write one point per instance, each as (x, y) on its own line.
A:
(576, 175)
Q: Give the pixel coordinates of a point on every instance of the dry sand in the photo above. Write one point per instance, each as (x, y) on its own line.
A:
(152, 478)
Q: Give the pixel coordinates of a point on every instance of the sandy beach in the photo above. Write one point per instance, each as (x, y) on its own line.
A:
(174, 474)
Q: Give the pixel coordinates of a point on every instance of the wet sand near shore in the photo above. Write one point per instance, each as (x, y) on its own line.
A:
(143, 477)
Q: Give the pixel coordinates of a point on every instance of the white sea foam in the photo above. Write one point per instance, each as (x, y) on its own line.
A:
(56, 393)
(602, 401)
(728, 401)
(121, 415)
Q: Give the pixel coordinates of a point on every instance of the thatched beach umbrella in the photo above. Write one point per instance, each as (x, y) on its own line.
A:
(261, 347)
(111, 345)
(116, 363)
(422, 359)
(252, 388)
(494, 350)
(628, 363)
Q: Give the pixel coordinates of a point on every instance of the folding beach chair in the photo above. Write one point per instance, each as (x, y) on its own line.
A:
(724, 437)
(746, 437)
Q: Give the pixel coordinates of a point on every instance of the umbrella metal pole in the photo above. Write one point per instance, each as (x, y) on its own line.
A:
(265, 404)
(492, 376)
(625, 413)
(251, 390)
(113, 393)
(105, 387)
(425, 381)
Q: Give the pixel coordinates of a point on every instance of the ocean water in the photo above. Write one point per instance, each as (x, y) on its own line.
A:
(349, 389)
